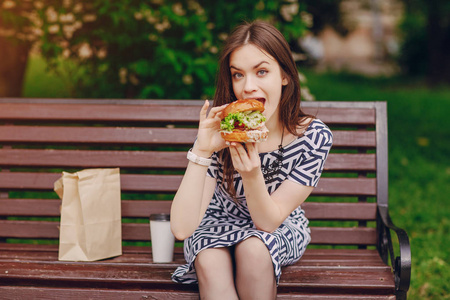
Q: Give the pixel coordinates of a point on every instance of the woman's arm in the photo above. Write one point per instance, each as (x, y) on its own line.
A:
(191, 200)
(196, 188)
(267, 211)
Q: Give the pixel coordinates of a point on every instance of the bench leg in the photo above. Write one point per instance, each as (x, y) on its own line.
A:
(400, 295)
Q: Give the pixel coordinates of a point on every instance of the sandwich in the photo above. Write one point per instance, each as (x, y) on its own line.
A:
(244, 122)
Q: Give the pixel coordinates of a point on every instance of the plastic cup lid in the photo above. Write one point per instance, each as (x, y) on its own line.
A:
(160, 217)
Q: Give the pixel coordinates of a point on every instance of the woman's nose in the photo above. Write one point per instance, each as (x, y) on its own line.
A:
(250, 85)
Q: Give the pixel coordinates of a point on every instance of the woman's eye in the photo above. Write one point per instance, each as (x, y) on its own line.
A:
(262, 72)
(237, 75)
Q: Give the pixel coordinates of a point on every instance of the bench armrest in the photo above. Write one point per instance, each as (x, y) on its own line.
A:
(401, 264)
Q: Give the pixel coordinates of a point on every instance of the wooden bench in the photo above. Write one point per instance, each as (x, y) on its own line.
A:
(351, 256)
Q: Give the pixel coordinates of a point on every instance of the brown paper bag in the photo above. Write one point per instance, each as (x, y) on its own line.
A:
(91, 227)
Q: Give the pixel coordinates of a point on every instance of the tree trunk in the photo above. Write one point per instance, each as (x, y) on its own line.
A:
(439, 62)
(13, 63)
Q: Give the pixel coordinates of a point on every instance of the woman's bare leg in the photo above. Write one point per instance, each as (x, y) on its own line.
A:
(255, 278)
(214, 268)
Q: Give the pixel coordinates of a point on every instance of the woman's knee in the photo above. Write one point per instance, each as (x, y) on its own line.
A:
(253, 253)
(214, 268)
(209, 261)
(255, 277)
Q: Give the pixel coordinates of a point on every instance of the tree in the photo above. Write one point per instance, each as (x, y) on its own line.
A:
(147, 49)
(16, 38)
(426, 39)
(327, 13)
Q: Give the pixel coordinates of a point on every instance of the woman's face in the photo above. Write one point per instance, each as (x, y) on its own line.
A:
(256, 74)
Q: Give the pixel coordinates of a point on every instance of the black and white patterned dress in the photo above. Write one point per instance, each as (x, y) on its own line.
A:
(226, 223)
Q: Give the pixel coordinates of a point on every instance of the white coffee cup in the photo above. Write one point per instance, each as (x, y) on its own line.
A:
(163, 241)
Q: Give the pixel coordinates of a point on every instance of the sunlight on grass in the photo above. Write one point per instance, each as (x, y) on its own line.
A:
(41, 83)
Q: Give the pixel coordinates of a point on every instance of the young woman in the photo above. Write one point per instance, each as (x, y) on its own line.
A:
(238, 206)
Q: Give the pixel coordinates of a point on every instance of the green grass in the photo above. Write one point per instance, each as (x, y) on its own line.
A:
(40, 83)
(419, 160)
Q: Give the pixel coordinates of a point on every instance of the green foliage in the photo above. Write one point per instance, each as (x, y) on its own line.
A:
(14, 22)
(149, 49)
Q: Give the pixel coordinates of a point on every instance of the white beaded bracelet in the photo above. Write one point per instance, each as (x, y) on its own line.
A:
(198, 159)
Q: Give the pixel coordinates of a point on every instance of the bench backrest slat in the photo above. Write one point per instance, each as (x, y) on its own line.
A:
(148, 140)
(146, 159)
(139, 232)
(163, 111)
(143, 209)
(99, 112)
(170, 183)
(96, 136)
(140, 136)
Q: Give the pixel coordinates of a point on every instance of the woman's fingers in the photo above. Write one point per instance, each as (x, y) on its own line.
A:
(212, 118)
(208, 136)
(247, 151)
(212, 112)
(239, 150)
(252, 149)
(245, 158)
(204, 110)
(216, 111)
(235, 156)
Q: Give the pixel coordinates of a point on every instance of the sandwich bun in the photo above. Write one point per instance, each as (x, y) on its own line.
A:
(243, 105)
(259, 134)
(248, 136)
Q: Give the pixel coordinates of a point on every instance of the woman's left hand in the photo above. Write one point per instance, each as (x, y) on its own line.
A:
(245, 159)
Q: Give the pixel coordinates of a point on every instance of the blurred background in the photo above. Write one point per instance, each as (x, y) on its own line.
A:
(355, 50)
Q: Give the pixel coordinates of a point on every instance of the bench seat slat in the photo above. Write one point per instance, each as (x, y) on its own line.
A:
(104, 294)
(308, 260)
(143, 209)
(316, 254)
(141, 136)
(156, 112)
(56, 293)
(378, 282)
(134, 254)
(170, 183)
(141, 232)
(320, 274)
(297, 279)
(146, 159)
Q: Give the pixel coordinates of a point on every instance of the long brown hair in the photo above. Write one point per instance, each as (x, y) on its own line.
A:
(266, 37)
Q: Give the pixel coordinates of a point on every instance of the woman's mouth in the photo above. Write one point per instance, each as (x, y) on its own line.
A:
(260, 99)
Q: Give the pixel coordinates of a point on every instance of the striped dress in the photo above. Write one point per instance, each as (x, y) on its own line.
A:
(227, 223)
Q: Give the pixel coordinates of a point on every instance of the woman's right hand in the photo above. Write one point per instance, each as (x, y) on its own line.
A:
(209, 139)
